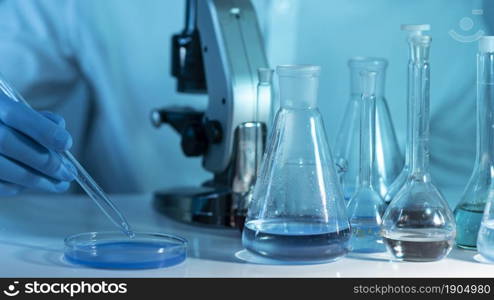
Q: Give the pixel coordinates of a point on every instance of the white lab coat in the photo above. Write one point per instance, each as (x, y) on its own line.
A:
(104, 64)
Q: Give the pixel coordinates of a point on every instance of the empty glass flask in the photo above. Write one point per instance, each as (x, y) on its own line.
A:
(366, 206)
(418, 225)
(297, 213)
(388, 158)
(469, 211)
(485, 94)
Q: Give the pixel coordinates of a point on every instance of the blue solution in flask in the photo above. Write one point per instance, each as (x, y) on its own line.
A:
(468, 219)
(295, 240)
(112, 250)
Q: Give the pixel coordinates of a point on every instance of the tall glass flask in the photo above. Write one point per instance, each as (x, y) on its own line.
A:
(388, 158)
(402, 178)
(485, 94)
(418, 224)
(298, 211)
(468, 212)
(366, 206)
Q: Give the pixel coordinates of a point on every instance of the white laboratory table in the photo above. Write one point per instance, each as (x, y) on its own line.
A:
(32, 229)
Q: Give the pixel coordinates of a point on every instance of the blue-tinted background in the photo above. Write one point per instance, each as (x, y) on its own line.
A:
(105, 64)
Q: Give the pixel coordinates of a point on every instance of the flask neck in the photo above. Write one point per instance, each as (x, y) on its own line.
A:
(262, 109)
(367, 128)
(418, 105)
(357, 65)
(485, 112)
(298, 92)
(355, 83)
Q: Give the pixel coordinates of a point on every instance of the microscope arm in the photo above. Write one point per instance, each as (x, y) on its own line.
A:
(233, 50)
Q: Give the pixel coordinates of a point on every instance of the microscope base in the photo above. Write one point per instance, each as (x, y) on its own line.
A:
(199, 206)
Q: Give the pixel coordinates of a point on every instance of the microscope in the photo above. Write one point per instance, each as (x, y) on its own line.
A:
(219, 53)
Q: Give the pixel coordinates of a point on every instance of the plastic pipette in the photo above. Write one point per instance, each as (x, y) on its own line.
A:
(83, 178)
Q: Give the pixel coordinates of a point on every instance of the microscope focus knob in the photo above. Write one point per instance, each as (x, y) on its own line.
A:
(188, 123)
(194, 140)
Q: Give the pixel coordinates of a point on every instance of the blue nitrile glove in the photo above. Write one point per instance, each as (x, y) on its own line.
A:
(29, 146)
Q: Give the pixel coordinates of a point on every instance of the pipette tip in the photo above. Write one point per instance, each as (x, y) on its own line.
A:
(127, 230)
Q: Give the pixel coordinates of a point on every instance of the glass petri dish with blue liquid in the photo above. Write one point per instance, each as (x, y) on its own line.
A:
(114, 250)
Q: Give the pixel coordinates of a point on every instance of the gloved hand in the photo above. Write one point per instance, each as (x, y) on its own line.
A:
(29, 146)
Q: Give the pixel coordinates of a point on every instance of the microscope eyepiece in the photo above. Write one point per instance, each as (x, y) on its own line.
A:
(187, 63)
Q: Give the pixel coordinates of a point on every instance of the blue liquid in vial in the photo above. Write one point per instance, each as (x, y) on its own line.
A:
(296, 241)
(366, 236)
(127, 254)
(485, 243)
(468, 218)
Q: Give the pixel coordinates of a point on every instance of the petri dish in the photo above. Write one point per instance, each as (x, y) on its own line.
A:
(114, 250)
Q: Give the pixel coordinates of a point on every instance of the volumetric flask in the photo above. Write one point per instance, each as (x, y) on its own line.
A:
(418, 225)
(388, 159)
(366, 206)
(469, 211)
(402, 178)
(485, 85)
(297, 213)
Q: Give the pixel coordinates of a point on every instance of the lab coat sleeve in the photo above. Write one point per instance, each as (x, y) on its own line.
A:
(35, 50)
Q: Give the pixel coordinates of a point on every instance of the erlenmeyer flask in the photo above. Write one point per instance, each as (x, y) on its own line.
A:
(418, 224)
(485, 94)
(389, 161)
(468, 212)
(298, 211)
(366, 206)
